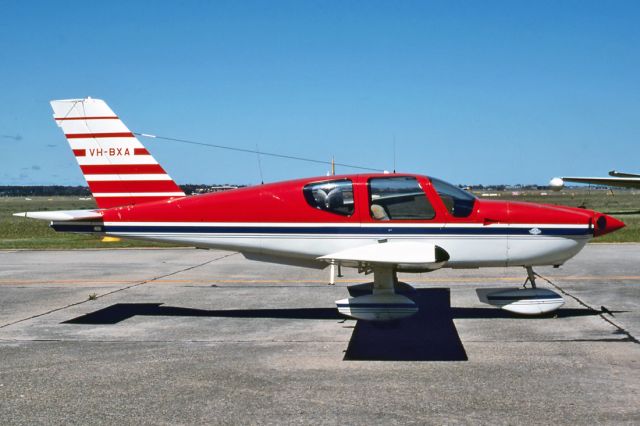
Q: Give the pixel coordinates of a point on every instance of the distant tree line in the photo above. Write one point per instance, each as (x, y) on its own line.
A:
(507, 187)
(83, 191)
(189, 189)
(44, 191)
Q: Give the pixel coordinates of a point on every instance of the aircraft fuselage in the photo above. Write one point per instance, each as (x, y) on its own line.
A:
(279, 222)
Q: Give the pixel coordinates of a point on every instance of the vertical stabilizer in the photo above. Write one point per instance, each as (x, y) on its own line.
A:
(117, 167)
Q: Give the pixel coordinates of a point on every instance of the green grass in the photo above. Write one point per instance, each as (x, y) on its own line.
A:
(21, 233)
(628, 234)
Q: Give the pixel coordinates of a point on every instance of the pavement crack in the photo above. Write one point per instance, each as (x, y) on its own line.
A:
(136, 284)
(619, 328)
(163, 276)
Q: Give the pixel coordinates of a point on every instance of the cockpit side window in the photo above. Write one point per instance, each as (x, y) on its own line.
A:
(458, 202)
(335, 196)
(398, 197)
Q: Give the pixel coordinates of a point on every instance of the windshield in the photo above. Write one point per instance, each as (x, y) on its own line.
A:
(458, 202)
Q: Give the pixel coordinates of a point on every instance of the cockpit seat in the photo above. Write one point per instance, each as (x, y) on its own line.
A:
(378, 212)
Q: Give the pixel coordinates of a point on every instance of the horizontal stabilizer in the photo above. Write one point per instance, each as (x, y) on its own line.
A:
(62, 215)
(392, 253)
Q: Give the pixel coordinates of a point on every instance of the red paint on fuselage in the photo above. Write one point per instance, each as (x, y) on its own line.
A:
(285, 202)
(132, 186)
(275, 202)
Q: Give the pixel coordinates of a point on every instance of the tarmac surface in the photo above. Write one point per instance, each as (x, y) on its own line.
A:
(186, 336)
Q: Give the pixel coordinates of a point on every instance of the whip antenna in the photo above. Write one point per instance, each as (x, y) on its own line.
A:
(252, 151)
(259, 164)
(394, 153)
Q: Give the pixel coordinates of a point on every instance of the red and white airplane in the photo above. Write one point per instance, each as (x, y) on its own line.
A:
(379, 223)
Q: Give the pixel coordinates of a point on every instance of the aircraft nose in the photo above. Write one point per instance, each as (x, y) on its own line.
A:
(604, 224)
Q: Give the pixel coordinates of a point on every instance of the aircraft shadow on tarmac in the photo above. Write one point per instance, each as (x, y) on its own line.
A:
(430, 335)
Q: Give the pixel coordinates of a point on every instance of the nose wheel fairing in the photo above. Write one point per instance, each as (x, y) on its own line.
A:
(527, 301)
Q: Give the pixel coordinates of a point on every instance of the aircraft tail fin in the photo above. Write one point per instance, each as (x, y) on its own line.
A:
(117, 167)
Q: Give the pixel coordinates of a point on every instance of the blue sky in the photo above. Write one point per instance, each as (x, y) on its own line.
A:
(473, 92)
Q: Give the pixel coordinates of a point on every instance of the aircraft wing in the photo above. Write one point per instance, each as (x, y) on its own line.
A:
(625, 182)
(391, 253)
(623, 174)
(62, 215)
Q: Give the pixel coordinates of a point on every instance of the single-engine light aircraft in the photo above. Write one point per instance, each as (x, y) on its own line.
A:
(379, 223)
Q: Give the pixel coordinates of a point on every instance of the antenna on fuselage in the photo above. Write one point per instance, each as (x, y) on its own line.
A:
(259, 164)
(394, 153)
(333, 166)
(252, 151)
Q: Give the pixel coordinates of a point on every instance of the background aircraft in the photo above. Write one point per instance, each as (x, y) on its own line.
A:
(624, 180)
(378, 223)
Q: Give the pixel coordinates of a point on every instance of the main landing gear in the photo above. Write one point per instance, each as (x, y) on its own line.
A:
(527, 301)
(381, 301)
(384, 303)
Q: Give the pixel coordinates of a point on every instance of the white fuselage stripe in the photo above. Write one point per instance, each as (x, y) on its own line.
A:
(351, 225)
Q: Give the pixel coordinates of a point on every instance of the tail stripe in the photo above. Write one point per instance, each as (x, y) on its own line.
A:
(132, 186)
(124, 177)
(99, 135)
(85, 118)
(129, 199)
(127, 169)
(97, 157)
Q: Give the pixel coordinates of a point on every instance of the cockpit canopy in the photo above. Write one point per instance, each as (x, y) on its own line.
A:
(390, 198)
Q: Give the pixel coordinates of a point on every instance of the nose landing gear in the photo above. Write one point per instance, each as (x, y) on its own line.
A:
(527, 301)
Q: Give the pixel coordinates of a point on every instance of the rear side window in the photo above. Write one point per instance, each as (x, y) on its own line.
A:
(335, 196)
(401, 197)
